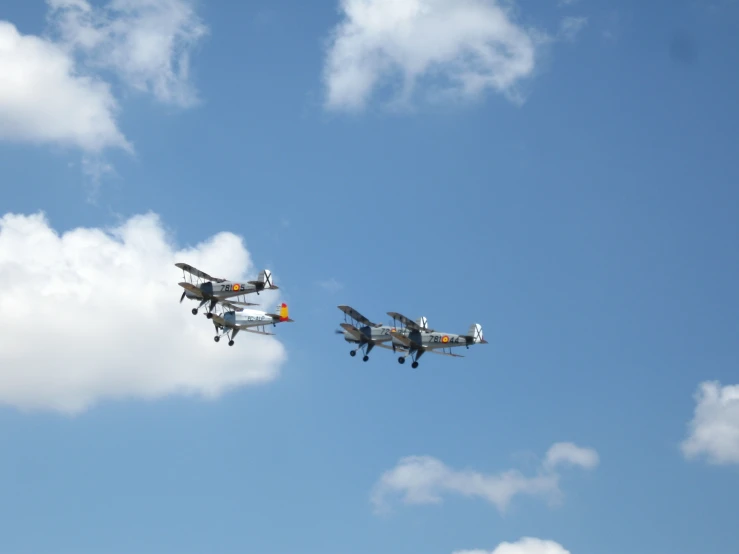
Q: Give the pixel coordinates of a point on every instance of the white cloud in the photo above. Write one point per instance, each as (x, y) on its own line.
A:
(563, 453)
(148, 43)
(566, 2)
(52, 88)
(714, 429)
(45, 99)
(424, 479)
(93, 314)
(571, 26)
(471, 45)
(527, 545)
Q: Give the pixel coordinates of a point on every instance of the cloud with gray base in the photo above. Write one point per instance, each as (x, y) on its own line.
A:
(93, 314)
(526, 545)
(426, 480)
(467, 46)
(713, 433)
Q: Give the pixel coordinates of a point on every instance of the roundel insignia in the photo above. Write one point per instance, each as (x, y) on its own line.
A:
(444, 339)
(236, 286)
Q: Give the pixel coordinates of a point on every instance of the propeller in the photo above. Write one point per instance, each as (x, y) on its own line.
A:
(183, 296)
(338, 332)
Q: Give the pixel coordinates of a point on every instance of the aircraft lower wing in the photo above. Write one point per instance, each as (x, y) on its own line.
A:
(405, 341)
(219, 320)
(353, 331)
(246, 329)
(389, 347)
(442, 353)
(189, 287)
(408, 343)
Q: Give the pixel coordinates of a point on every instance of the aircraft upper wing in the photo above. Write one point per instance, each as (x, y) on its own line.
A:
(355, 315)
(194, 271)
(405, 321)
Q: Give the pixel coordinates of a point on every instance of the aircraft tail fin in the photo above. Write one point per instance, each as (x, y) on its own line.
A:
(284, 313)
(264, 281)
(475, 334)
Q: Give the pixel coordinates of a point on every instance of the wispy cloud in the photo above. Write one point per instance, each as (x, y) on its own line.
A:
(331, 285)
(571, 26)
(56, 89)
(147, 43)
(425, 479)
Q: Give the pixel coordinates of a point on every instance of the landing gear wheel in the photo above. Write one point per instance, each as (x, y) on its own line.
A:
(401, 360)
(216, 338)
(414, 365)
(230, 343)
(365, 358)
(209, 315)
(194, 311)
(352, 353)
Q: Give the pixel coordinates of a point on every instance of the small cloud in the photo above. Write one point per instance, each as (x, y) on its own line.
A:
(425, 480)
(331, 285)
(570, 27)
(714, 429)
(568, 453)
(527, 545)
(455, 49)
(563, 3)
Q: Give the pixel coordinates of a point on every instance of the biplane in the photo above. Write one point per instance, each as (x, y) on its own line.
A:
(416, 338)
(212, 289)
(365, 333)
(230, 322)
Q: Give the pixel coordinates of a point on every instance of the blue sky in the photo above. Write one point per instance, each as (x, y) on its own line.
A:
(582, 207)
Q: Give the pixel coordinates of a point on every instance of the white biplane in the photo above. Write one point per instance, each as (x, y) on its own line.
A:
(212, 289)
(230, 322)
(417, 338)
(365, 333)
